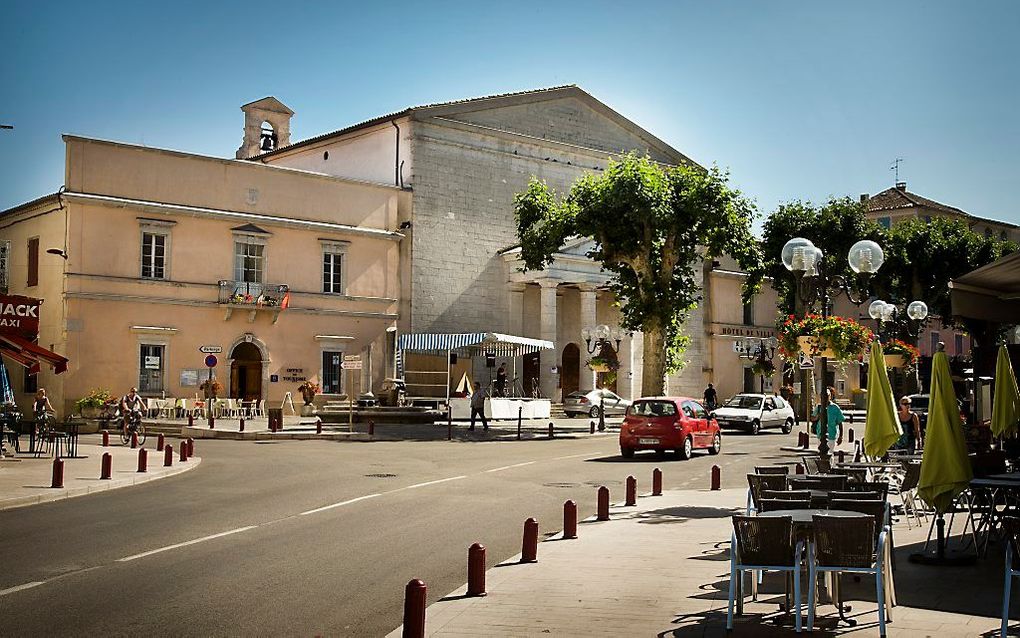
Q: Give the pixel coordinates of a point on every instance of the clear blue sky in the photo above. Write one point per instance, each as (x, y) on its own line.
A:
(798, 99)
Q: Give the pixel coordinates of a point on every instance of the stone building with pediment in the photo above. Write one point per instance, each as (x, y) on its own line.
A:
(463, 162)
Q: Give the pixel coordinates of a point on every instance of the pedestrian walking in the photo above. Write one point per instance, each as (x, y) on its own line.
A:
(478, 406)
(834, 419)
(910, 427)
(711, 398)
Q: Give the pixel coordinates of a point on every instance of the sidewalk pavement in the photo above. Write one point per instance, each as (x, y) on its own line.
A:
(662, 569)
(26, 480)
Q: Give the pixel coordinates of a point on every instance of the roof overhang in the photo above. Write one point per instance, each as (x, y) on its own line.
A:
(990, 293)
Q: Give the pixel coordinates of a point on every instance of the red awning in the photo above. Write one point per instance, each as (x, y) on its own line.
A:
(29, 354)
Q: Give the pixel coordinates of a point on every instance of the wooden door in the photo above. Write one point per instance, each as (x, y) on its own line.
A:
(570, 369)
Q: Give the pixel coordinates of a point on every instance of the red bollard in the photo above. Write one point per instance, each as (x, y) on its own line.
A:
(850, 435)
(371, 427)
(841, 455)
(414, 609)
(134, 440)
(184, 452)
(603, 507)
(159, 443)
(802, 440)
(58, 473)
(240, 425)
(191, 447)
(592, 425)
(212, 421)
(716, 477)
(106, 472)
(143, 460)
(631, 490)
(656, 482)
(318, 425)
(168, 456)
(476, 570)
(529, 548)
(570, 519)
(106, 438)
(191, 420)
(550, 429)
(800, 468)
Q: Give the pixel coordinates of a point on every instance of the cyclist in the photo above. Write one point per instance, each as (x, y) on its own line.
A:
(131, 406)
(41, 407)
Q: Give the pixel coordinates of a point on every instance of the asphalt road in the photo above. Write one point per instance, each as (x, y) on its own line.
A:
(307, 537)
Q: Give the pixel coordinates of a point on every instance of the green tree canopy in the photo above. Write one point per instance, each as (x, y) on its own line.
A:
(651, 224)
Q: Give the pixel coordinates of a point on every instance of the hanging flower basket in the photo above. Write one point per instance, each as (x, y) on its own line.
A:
(900, 354)
(838, 338)
(763, 368)
(603, 364)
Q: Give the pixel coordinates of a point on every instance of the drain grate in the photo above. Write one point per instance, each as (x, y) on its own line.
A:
(561, 485)
(382, 475)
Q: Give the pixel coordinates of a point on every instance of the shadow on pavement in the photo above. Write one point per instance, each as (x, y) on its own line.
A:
(685, 513)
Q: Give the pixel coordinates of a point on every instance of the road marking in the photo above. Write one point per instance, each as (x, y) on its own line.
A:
(417, 485)
(340, 504)
(186, 543)
(569, 456)
(507, 467)
(11, 590)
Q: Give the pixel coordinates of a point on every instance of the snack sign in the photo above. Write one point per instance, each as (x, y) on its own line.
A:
(19, 315)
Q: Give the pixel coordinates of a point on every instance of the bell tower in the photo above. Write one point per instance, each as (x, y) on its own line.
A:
(266, 127)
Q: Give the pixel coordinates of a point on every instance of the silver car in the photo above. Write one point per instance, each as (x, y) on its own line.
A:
(587, 403)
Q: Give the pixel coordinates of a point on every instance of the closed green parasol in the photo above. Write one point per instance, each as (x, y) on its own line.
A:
(880, 428)
(1006, 407)
(945, 468)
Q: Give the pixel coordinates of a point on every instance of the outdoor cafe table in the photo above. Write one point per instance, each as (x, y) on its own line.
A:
(1000, 489)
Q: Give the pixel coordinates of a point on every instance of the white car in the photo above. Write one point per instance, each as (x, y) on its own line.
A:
(752, 412)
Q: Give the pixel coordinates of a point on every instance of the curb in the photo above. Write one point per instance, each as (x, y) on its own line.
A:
(62, 493)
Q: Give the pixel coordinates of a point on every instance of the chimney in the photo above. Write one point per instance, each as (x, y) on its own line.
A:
(266, 127)
(901, 186)
(864, 197)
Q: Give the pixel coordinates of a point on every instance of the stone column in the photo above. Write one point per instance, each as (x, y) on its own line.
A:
(549, 358)
(588, 320)
(515, 326)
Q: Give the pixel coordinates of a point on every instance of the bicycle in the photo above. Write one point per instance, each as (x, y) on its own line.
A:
(134, 426)
(44, 427)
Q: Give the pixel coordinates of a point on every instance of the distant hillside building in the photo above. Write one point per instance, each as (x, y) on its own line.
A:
(897, 204)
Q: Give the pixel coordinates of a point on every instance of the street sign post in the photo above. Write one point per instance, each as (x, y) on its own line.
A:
(210, 349)
(210, 362)
(806, 362)
(351, 362)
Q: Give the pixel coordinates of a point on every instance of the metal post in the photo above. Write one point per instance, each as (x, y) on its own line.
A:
(449, 367)
(602, 413)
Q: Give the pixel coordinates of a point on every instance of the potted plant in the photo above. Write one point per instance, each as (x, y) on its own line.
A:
(900, 354)
(838, 338)
(308, 390)
(89, 405)
(211, 388)
(763, 368)
(600, 363)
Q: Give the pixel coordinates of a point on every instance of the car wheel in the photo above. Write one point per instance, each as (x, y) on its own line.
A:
(594, 412)
(716, 445)
(627, 452)
(788, 426)
(685, 452)
(755, 426)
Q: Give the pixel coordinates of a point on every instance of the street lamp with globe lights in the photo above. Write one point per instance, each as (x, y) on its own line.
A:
(814, 283)
(883, 312)
(759, 350)
(601, 335)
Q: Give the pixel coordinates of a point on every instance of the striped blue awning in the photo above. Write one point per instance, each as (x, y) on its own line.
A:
(473, 343)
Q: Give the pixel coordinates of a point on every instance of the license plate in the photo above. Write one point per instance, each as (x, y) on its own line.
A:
(648, 441)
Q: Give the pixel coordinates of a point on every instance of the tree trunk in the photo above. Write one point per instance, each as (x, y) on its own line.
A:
(654, 369)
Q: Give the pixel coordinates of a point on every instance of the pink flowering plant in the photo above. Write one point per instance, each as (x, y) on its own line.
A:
(909, 352)
(845, 337)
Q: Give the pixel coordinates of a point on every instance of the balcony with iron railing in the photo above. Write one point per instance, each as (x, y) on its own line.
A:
(253, 297)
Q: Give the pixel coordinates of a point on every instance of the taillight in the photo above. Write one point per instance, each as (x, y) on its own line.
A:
(583, 400)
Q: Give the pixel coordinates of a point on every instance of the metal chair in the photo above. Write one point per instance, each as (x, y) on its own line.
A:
(856, 496)
(771, 469)
(881, 512)
(787, 495)
(763, 543)
(846, 544)
(1011, 527)
(827, 483)
(853, 474)
(757, 482)
(773, 504)
(907, 489)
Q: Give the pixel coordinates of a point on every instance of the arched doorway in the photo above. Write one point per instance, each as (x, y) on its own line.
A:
(246, 372)
(570, 376)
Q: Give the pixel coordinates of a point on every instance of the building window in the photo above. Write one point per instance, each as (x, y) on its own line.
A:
(31, 383)
(249, 262)
(332, 373)
(749, 313)
(959, 344)
(885, 222)
(151, 367)
(154, 255)
(33, 262)
(934, 343)
(5, 260)
(333, 267)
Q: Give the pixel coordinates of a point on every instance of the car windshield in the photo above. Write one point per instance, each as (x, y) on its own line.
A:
(653, 408)
(744, 402)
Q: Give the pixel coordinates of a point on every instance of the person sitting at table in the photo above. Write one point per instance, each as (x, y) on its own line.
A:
(834, 419)
(910, 426)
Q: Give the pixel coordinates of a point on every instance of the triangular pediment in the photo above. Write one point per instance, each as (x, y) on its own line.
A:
(269, 103)
(578, 247)
(564, 114)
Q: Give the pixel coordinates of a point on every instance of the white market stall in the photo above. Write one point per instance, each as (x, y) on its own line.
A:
(433, 386)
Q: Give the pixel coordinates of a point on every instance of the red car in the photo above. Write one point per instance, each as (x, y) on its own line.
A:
(669, 423)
